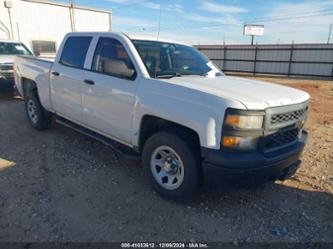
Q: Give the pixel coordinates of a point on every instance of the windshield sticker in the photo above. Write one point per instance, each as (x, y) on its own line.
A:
(19, 47)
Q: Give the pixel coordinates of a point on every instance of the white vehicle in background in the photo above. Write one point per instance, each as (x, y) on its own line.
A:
(8, 50)
(166, 102)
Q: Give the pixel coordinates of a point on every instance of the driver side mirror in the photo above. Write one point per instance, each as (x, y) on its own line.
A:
(118, 68)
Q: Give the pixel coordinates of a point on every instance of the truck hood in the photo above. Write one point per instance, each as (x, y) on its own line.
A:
(7, 59)
(253, 94)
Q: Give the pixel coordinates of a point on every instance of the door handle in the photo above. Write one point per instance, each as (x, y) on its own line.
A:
(89, 82)
(55, 73)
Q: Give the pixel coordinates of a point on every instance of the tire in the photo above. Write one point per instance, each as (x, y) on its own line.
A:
(167, 156)
(39, 118)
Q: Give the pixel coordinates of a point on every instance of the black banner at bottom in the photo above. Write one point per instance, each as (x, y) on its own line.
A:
(106, 245)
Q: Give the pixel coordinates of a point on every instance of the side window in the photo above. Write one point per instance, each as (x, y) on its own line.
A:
(75, 50)
(111, 58)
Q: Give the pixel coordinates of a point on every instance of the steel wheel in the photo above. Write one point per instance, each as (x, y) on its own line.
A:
(167, 167)
(32, 111)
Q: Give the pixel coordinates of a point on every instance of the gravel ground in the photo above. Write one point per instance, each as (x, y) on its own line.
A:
(58, 185)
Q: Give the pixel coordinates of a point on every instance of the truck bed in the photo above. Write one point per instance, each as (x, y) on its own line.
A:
(37, 70)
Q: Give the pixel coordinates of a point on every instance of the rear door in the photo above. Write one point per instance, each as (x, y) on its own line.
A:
(67, 77)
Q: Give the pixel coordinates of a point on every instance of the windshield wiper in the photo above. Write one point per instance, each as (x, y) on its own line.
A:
(168, 76)
(200, 74)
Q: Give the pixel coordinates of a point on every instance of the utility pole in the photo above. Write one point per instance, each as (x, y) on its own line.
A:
(5, 29)
(8, 5)
(71, 14)
(11, 24)
(252, 38)
(329, 34)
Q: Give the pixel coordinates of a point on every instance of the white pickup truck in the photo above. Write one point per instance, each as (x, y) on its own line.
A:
(166, 102)
(8, 50)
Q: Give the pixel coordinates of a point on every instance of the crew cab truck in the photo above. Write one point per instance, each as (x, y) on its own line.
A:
(169, 104)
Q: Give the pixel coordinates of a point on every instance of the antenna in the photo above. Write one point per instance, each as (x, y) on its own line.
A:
(329, 34)
(159, 23)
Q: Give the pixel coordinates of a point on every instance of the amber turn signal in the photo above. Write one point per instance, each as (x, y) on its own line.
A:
(233, 120)
(231, 141)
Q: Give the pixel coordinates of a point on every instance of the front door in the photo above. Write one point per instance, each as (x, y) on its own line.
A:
(108, 98)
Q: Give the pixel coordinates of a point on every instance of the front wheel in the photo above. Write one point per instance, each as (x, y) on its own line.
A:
(38, 117)
(171, 165)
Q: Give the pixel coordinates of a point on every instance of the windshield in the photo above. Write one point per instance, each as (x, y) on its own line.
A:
(10, 48)
(168, 59)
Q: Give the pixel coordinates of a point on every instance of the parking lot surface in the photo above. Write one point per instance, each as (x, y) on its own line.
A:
(58, 185)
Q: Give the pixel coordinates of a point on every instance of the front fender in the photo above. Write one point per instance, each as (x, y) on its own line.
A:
(200, 112)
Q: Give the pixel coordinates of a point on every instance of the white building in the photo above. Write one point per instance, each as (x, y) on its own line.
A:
(41, 25)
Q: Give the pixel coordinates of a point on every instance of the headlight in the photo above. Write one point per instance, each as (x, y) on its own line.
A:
(244, 121)
(242, 129)
(245, 143)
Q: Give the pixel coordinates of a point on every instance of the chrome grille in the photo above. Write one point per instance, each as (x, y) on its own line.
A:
(283, 124)
(6, 67)
(283, 116)
(288, 116)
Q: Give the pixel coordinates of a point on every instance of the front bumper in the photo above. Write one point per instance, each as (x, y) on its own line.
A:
(254, 166)
(7, 84)
(6, 79)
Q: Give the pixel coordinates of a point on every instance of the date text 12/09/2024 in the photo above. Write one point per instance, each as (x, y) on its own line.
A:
(165, 245)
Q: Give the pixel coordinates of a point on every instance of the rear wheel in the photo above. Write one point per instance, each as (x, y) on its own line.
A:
(171, 165)
(39, 118)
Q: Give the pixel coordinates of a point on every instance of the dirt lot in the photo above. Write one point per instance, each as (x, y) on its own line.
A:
(58, 185)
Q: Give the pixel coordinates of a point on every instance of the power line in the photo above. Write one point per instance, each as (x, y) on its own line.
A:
(130, 4)
(274, 18)
(258, 20)
(329, 12)
(319, 12)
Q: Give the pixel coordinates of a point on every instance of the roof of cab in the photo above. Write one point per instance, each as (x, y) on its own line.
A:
(132, 37)
(152, 38)
(9, 41)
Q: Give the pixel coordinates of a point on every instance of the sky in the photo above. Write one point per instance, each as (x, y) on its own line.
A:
(218, 22)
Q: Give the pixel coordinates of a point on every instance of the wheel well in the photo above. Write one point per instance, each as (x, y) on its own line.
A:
(151, 124)
(28, 86)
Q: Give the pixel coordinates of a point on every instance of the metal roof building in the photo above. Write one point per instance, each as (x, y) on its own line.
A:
(41, 25)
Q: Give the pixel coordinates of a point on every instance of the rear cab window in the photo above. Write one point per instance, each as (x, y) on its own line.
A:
(74, 51)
